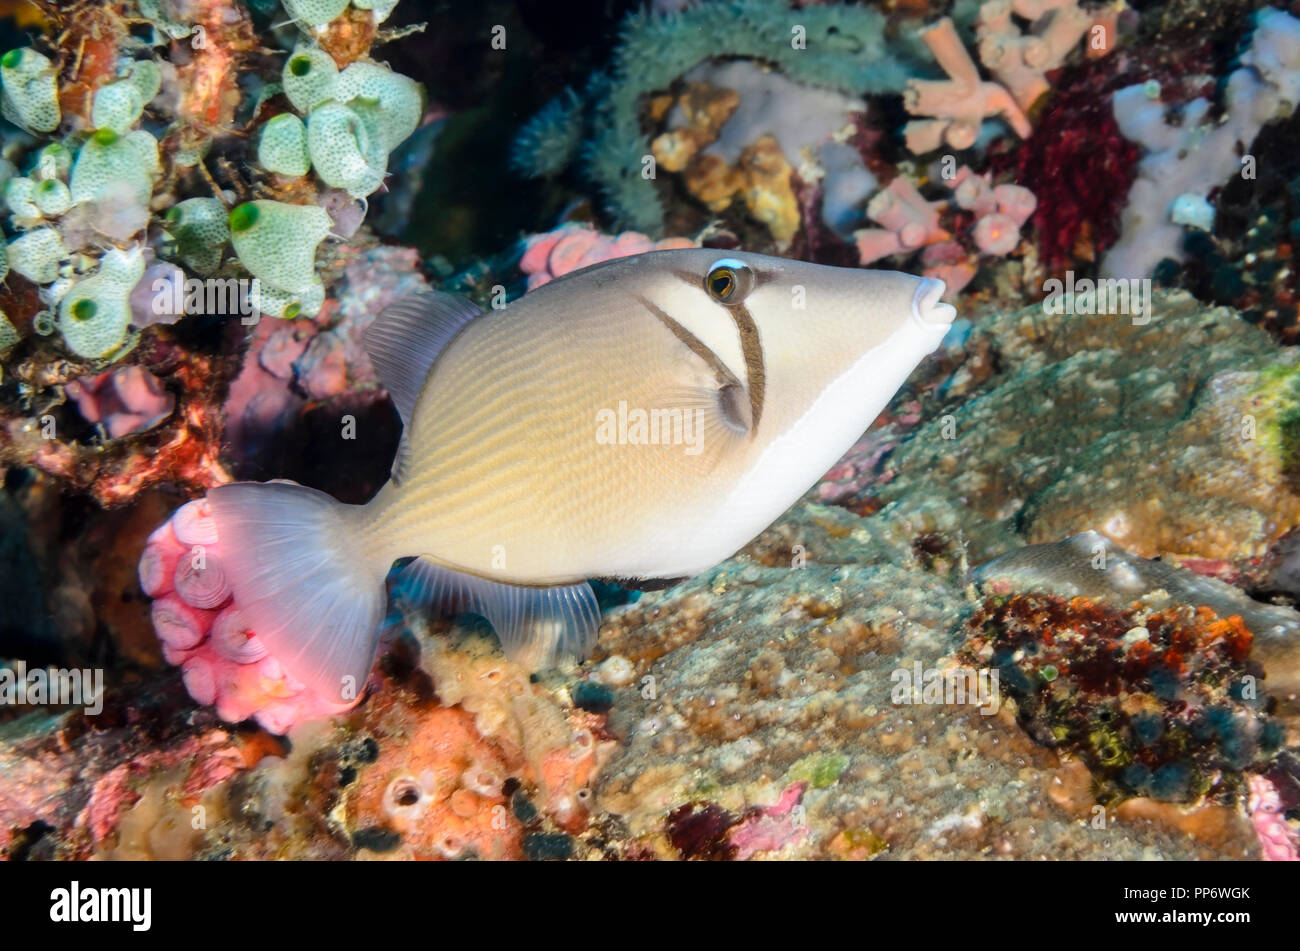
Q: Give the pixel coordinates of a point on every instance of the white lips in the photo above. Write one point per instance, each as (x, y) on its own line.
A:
(927, 309)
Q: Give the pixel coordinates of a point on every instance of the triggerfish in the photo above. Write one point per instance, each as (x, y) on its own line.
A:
(639, 420)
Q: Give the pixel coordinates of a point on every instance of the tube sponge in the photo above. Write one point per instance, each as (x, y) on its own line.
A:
(315, 12)
(201, 231)
(29, 93)
(283, 146)
(94, 314)
(37, 255)
(345, 149)
(400, 98)
(276, 242)
(119, 163)
(309, 78)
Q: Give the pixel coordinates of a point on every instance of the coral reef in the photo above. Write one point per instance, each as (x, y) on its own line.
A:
(1157, 703)
(1190, 159)
(990, 217)
(555, 253)
(1186, 430)
(843, 48)
(1044, 608)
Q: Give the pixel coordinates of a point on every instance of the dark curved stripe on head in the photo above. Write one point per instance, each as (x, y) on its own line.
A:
(752, 348)
(693, 342)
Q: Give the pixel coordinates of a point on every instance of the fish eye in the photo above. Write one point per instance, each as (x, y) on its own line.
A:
(729, 281)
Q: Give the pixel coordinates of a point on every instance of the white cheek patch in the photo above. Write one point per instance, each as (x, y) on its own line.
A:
(797, 458)
(708, 321)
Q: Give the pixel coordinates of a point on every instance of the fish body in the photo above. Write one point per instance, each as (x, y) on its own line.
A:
(640, 419)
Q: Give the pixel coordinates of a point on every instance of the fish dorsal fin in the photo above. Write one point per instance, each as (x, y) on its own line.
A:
(403, 343)
(536, 626)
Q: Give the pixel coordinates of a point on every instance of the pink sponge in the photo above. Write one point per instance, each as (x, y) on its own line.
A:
(126, 400)
(571, 246)
(222, 661)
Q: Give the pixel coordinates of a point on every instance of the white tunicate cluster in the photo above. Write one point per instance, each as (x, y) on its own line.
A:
(110, 161)
(29, 93)
(37, 255)
(20, 199)
(346, 153)
(276, 242)
(52, 197)
(317, 13)
(119, 105)
(273, 302)
(282, 147)
(201, 231)
(95, 312)
(354, 119)
(9, 335)
(400, 99)
(309, 78)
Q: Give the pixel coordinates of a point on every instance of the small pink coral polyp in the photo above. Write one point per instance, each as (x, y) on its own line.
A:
(223, 662)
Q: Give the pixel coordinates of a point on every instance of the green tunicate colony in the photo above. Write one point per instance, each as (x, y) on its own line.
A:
(29, 92)
(351, 120)
(199, 228)
(320, 12)
(78, 207)
(95, 312)
(344, 126)
(105, 174)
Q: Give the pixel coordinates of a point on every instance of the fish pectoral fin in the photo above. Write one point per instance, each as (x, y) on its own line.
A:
(536, 626)
(715, 418)
(403, 343)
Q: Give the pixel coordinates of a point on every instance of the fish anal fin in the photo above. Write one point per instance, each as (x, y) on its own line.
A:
(536, 626)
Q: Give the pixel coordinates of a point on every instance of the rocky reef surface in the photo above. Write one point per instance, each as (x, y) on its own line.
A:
(1043, 609)
(784, 704)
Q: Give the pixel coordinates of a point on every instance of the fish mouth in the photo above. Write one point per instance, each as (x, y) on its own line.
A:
(927, 308)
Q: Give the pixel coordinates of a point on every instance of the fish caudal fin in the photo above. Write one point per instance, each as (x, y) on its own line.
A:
(300, 582)
(536, 626)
